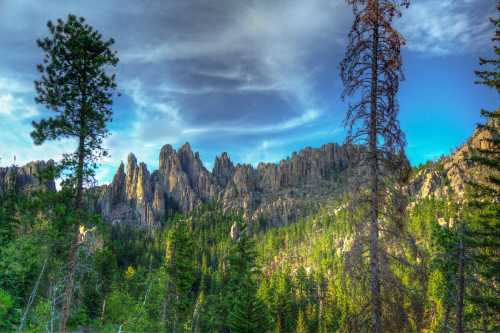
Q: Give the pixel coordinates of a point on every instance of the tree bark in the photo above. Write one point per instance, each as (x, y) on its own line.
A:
(446, 321)
(73, 252)
(460, 281)
(374, 264)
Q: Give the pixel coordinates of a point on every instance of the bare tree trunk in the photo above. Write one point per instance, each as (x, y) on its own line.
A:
(72, 258)
(374, 263)
(103, 310)
(32, 297)
(460, 281)
(446, 323)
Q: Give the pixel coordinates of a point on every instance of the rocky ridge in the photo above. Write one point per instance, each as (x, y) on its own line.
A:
(279, 192)
(25, 178)
(448, 177)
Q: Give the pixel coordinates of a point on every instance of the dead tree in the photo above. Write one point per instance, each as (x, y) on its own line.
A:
(371, 72)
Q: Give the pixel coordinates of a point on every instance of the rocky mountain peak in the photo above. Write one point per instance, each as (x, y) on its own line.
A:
(223, 170)
(118, 186)
(273, 190)
(168, 159)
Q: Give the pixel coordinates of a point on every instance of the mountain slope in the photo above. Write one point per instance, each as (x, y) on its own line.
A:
(448, 177)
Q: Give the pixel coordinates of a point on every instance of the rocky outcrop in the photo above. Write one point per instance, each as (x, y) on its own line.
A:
(280, 192)
(25, 178)
(449, 176)
(223, 170)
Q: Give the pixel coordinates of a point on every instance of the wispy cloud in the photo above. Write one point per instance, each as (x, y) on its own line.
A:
(15, 86)
(17, 110)
(307, 117)
(153, 123)
(447, 26)
(265, 47)
(276, 149)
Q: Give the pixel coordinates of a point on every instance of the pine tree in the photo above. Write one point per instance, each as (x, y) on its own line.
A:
(247, 312)
(372, 69)
(480, 236)
(460, 278)
(283, 301)
(198, 313)
(180, 268)
(301, 326)
(75, 84)
(441, 280)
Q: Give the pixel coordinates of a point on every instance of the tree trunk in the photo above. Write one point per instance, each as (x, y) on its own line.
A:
(446, 321)
(72, 258)
(372, 146)
(460, 281)
(484, 320)
(171, 293)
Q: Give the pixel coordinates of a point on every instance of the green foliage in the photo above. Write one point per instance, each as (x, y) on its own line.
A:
(7, 311)
(118, 305)
(287, 279)
(75, 83)
(180, 271)
(301, 324)
(246, 311)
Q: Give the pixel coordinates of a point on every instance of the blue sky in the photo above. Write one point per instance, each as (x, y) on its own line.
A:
(257, 79)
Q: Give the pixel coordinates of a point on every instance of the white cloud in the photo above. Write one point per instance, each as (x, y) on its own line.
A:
(16, 143)
(155, 118)
(446, 26)
(275, 37)
(16, 114)
(13, 106)
(306, 118)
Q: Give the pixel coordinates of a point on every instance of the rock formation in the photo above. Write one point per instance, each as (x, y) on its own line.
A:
(449, 175)
(25, 178)
(279, 192)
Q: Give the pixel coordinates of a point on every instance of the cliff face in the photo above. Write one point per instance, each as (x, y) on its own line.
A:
(25, 178)
(449, 176)
(278, 192)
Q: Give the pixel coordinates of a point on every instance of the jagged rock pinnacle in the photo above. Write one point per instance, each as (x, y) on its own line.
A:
(278, 192)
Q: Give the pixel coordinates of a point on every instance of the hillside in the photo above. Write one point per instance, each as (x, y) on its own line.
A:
(312, 268)
(448, 176)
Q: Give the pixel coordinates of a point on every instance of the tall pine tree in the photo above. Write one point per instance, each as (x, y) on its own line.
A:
(479, 241)
(76, 85)
(247, 312)
(180, 270)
